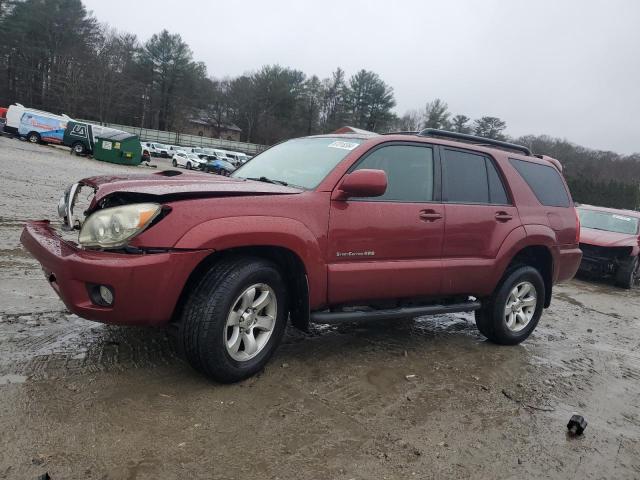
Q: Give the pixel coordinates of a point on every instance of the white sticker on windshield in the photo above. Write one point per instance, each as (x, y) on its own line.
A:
(343, 145)
(619, 217)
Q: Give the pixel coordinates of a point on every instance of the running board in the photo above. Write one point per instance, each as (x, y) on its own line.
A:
(394, 313)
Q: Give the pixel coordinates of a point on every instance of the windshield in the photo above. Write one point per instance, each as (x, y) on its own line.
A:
(610, 222)
(303, 162)
(193, 155)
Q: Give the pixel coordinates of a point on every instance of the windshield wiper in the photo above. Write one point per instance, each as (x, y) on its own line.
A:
(269, 180)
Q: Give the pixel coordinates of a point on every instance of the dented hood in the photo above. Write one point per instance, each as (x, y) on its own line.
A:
(173, 184)
(603, 238)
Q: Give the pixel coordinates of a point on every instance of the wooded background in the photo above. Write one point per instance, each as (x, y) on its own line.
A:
(56, 57)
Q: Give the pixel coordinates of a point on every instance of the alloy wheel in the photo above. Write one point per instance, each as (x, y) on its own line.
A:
(521, 306)
(250, 322)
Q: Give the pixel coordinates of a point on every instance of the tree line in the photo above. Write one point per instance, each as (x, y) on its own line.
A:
(58, 57)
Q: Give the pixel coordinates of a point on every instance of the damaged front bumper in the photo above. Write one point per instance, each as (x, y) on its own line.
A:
(145, 287)
(602, 261)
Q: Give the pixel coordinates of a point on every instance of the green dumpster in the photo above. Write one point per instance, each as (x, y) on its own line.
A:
(118, 147)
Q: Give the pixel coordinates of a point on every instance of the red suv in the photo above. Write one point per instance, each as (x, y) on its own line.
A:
(319, 229)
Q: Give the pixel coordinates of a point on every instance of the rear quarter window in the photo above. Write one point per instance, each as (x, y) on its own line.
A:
(545, 182)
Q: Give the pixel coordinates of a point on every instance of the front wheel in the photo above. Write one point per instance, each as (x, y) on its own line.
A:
(234, 319)
(174, 163)
(33, 137)
(628, 274)
(510, 315)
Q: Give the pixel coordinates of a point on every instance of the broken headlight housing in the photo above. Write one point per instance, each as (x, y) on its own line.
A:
(113, 227)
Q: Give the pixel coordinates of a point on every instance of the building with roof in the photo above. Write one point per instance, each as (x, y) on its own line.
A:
(209, 127)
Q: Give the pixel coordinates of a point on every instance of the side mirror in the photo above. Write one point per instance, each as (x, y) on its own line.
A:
(363, 183)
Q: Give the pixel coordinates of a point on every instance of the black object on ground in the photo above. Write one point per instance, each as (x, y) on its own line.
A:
(576, 425)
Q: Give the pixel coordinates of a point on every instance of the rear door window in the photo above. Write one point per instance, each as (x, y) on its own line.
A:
(465, 177)
(544, 181)
(471, 178)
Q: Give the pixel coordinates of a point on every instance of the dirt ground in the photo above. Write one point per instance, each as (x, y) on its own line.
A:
(427, 398)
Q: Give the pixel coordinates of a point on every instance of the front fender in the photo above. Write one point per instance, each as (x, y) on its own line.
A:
(247, 231)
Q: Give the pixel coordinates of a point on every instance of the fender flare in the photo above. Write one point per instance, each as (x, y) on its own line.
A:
(529, 236)
(265, 231)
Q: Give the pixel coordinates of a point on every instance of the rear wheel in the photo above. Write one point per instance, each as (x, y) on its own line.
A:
(510, 315)
(234, 319)
(628, 274)
(78, 148)
(33, 137)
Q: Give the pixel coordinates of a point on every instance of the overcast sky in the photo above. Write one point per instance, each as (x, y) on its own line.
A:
(568, 68)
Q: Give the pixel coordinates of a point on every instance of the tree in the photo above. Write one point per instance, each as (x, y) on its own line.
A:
(173, 75)
(115, 80)
(489, 127)
(436, 115)
(460, 124)
(47, 50)
(218, 101)
(411, 121)
(370, 101)
(311, 103)
(334, 108)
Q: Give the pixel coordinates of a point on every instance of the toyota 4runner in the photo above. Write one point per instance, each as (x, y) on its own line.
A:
(322, 229)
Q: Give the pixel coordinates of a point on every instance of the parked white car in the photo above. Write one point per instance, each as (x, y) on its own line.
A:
(158, 149)
(173, 149)
(237, 158)
(198, 151)
(189, 161)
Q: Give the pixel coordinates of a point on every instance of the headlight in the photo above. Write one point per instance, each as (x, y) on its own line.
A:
(113, 227)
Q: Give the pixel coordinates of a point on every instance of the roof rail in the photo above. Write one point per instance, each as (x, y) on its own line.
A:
(402, 132)
(433, 132)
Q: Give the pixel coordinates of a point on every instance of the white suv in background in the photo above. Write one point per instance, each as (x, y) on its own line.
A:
(188, 160)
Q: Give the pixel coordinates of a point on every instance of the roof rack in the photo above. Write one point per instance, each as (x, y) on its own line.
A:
(433, 132)
(402, 132)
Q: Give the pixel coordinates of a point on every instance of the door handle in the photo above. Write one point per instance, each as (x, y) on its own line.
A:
(430, 215)
(503, 217)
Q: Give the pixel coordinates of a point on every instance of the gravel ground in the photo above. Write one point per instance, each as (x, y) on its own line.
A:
(427, 398)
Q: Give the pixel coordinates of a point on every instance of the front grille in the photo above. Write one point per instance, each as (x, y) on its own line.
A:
(604, 253)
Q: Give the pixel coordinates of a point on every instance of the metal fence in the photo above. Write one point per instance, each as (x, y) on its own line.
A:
(185, 140)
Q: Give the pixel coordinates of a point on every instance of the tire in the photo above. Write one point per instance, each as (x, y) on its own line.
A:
(628, 273)
(188, 165)
(203, 333)
(33, 137)
(174, 163)
(491, 319)
(78, 148)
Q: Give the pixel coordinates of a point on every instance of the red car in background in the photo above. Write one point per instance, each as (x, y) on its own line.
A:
(3, 118)
(610, 243)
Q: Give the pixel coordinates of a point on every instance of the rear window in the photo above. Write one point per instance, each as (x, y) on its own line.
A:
(544, 181)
